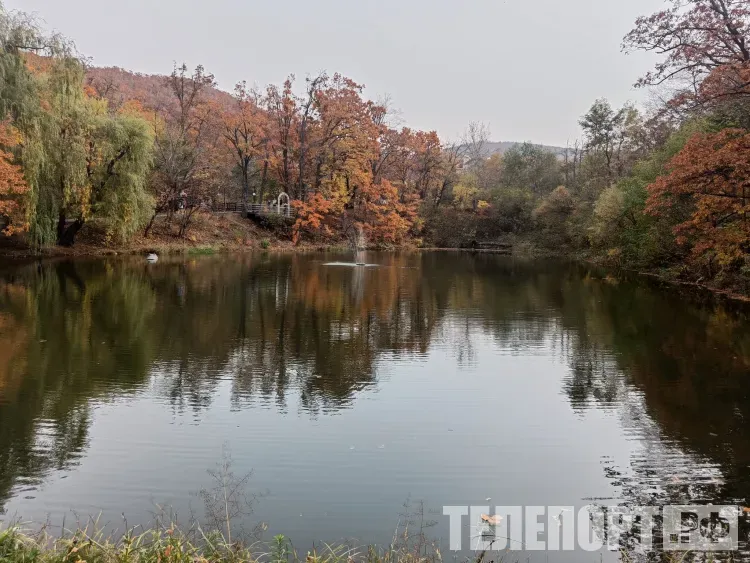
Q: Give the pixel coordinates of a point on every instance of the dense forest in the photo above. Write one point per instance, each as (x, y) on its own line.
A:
(663, 190)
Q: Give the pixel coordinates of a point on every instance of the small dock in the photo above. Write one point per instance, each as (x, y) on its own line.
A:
(492, 246)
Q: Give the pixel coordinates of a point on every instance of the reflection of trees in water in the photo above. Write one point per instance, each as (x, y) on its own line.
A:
(677, 374)
(74, 332)
(74, 329)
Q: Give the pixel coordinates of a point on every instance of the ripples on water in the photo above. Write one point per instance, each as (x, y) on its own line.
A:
(445, 377)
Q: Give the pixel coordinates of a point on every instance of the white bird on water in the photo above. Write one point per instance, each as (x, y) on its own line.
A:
(152, 257)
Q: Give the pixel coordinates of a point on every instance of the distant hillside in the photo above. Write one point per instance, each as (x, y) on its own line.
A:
(118, 85)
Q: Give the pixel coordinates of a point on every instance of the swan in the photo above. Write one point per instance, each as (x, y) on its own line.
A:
(152, 257)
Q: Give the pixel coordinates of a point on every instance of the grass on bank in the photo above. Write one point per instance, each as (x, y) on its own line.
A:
(172, 545)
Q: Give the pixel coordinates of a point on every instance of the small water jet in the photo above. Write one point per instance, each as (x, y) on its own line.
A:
(357, 241)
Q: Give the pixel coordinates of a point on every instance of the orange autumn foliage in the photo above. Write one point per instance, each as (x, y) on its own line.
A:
(311, 216)
(384, 218)
(13, 187)
(711, 178)
(333, 151)
(365, 177)
(244, 132)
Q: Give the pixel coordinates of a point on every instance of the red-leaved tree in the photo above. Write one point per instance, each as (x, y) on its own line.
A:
(13, 187)
(710, 179)
(697, 39)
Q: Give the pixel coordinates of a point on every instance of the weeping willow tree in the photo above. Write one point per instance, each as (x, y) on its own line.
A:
(124, 147)
(96, 163)
(80, 160)
(20, 35)
(19, 99)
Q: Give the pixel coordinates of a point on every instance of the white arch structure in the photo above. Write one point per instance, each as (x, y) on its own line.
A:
(286, 207)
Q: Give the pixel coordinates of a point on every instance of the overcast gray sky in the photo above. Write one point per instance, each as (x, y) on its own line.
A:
(528, 68)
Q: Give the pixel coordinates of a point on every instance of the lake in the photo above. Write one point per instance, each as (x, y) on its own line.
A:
(429, 379)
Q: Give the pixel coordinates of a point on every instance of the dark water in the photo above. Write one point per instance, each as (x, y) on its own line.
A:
(447, 378)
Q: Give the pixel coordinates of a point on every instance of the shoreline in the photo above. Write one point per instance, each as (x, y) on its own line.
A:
(20, 253)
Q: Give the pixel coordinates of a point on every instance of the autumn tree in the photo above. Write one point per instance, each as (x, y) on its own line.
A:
(308, 106)
(710, 180)
(552, 216)
(725, 94)
(245, 131)
(281, 108)
(428, 168)
(349, 151)
(697, 39)
(343, 139)
(13, 187)
(182, 145)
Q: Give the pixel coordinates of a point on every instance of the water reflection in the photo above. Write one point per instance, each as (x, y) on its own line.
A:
(77, 334)
(678, 375)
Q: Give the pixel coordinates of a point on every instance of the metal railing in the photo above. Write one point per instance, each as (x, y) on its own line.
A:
(284, 210)
(236, 206)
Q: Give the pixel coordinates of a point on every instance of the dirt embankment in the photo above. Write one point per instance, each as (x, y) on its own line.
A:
(208, 233)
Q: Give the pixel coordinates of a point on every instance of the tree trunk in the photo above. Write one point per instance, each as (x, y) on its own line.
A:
(318, 176)
(263, 180)
(60, 225)
(69, 235)
(150, 224)
(302, 155)
(245, 181)
(285, 159)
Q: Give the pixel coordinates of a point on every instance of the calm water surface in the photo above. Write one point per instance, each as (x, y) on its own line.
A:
(447, 378)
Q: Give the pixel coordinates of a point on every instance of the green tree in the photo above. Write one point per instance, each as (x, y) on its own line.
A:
(531, 167)
(88, 163)
(79, 160)
(552, 217)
